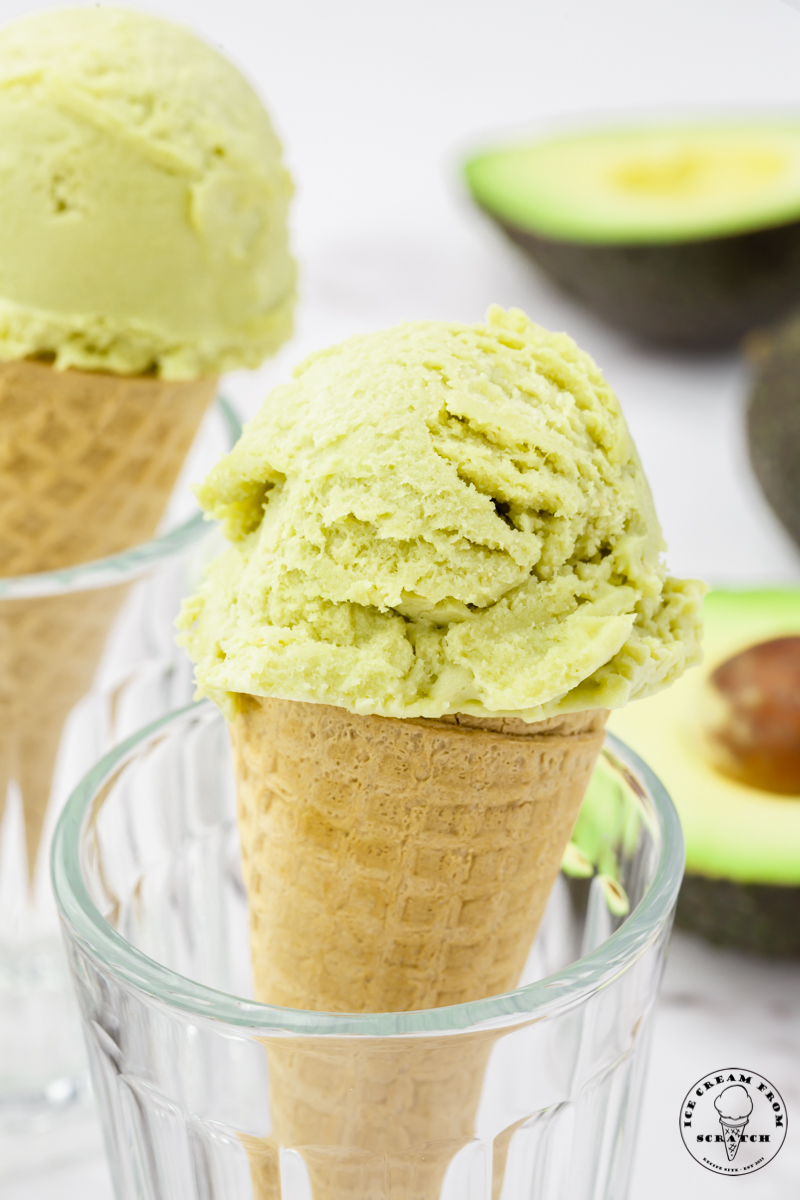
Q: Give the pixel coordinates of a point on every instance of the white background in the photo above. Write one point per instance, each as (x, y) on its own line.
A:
(377, 102)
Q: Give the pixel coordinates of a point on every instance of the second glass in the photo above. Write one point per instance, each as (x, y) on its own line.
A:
(87, 653)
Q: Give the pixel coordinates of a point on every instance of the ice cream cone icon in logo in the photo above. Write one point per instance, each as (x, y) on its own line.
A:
(734, 1106)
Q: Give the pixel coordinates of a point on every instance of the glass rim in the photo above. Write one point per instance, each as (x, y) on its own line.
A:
(126, 565)
(534, 1001)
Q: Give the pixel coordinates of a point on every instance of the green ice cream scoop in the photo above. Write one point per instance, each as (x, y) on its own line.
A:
(143, 200)
(440, 518)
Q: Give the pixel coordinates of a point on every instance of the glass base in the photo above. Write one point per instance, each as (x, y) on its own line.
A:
(46, 1112)
(46, 1115)
(53, 1135)
(42, 1066)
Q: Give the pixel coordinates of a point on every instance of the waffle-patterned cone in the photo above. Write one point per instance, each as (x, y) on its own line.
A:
(371, 1121)
(87, 465)
(87, 461)
(49, 650)
(393, 865)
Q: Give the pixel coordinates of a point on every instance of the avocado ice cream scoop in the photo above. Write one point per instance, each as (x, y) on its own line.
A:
(143, 200)
(435, 519)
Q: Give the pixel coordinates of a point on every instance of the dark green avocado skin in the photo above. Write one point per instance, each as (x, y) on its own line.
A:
(773, 425)
(698, 295)
(761, 918)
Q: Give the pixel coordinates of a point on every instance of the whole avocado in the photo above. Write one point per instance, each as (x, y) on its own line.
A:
(697, 295)
(773, 422)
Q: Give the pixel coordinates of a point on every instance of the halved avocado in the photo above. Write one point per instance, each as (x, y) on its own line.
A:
(725, 740)
(686, 234)
(773, 422)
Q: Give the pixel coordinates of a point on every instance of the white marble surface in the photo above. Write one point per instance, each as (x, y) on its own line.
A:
(376, 103)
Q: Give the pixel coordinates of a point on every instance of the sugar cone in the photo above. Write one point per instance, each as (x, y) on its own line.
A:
(371, 1120)
(87, 465)
(87, 461)
(49, 649)
(393, 865)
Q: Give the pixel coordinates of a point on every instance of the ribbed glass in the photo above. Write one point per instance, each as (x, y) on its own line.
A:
(209, 1095)
(88, 655)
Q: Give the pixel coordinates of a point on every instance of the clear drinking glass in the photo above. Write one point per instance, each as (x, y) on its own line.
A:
(87, 654)
(207, 1095)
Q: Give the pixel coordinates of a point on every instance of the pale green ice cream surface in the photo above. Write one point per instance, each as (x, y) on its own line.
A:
(143, 200)
(440, 518)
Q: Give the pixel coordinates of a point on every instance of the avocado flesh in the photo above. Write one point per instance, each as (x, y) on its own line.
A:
(742, 884)
(643, 186)
(773, 424)
(688, 235)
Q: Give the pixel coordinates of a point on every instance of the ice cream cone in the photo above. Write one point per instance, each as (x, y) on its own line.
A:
(393, 865)
(732, 1133)
(426, 518)
(87, 460)
(87, 464)
(49, 650)
(371, 1120)
(734, 1105)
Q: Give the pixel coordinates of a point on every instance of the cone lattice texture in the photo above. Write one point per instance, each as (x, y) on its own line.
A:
(49, 649)
(393, 865)
(370, 1119)
(732, 1132)
(87, 461)
(87, 464)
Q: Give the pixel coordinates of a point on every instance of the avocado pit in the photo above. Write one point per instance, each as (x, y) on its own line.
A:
(758, 740)
(742, 882)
